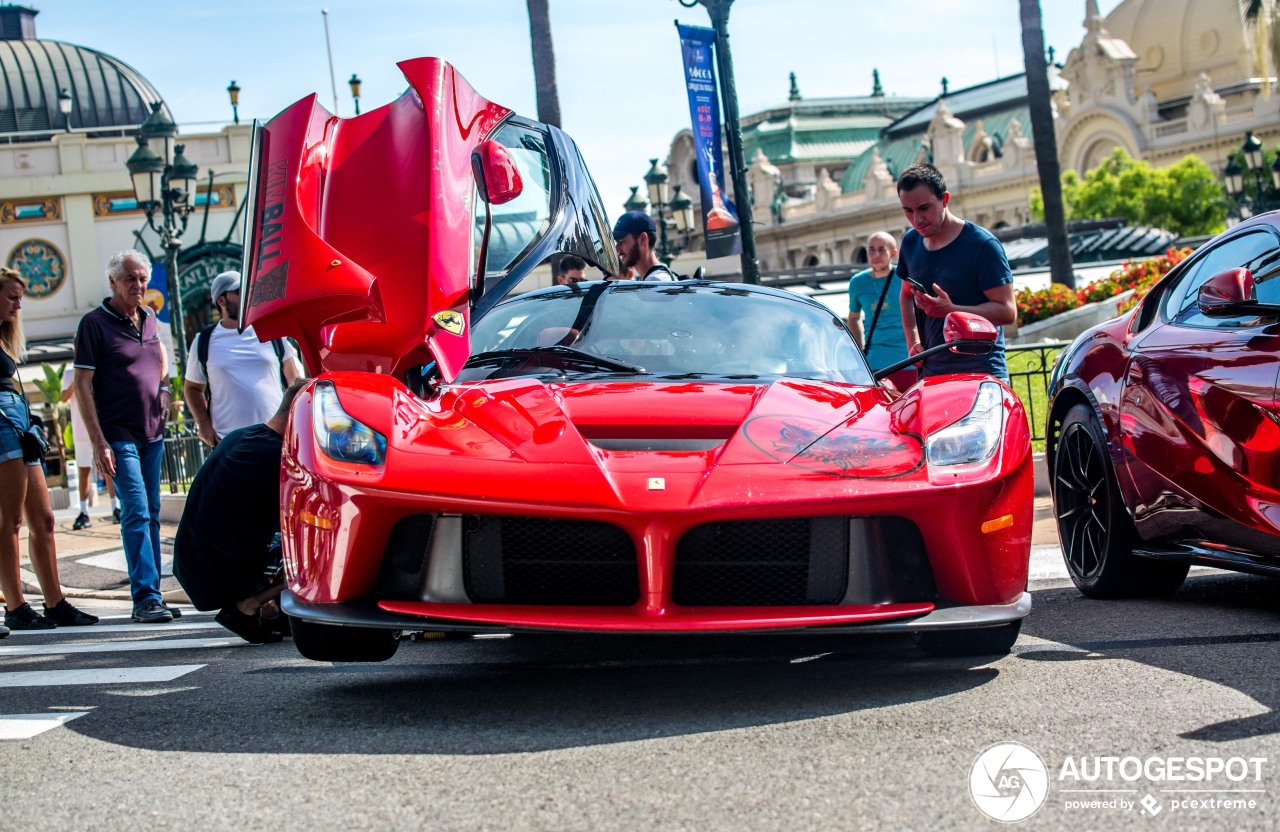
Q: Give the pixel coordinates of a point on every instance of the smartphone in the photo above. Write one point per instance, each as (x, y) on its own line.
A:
(915, 284)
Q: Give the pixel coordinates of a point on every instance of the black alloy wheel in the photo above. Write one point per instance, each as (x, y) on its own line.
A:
(1095, 529)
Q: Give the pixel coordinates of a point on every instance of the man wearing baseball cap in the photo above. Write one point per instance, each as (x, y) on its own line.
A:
(233, 379)
(634, 235)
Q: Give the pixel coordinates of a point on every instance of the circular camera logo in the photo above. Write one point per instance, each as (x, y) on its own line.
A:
(1008, 782)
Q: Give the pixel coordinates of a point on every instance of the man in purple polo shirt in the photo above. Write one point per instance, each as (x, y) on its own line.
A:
(123, 392)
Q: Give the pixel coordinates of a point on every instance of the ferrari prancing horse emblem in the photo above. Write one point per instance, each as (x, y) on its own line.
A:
(450, 321)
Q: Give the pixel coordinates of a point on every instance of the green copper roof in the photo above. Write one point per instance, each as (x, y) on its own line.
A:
(996, 104)
(822, 129)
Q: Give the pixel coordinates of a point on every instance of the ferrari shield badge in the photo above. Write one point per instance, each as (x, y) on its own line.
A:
(450, 321)
(657, 484)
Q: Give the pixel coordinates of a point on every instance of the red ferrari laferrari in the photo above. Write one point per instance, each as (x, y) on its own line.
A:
(1164, 433)
(610, 456)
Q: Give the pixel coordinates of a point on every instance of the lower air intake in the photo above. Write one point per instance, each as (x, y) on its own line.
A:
(546, 561)
(763, 563)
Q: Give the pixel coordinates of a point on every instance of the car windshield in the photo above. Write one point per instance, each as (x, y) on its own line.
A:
(675, 331)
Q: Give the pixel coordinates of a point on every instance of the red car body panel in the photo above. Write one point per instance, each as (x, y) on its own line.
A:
(332, 192)
(1191, 415)
(361, 249)
(515, 447)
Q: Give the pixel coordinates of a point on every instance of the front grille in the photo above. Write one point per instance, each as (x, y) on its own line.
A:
(798, 561)
(763, 563)
(405, 557)
(544, 561)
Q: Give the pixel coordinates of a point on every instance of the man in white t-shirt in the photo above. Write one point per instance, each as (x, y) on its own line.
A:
(84, 456)
(243, 381)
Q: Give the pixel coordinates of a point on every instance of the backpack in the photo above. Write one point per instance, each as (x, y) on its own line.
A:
(202, 355)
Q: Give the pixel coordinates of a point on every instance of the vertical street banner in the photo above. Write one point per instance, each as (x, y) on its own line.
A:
(719, 216)
(157, 300)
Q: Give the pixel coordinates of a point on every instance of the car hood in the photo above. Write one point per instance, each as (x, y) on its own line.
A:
(835, 429)
(359, 231)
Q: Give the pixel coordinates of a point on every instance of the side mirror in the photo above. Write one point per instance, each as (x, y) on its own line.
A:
(497, 177)
(1232, 293)
(969, 334)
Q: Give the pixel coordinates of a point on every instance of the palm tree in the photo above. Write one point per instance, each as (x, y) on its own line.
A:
(1046, 143)
(1262, 17)
(544, 62)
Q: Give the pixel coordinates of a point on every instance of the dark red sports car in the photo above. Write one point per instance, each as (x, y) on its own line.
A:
(610, 456)
(1164, 435)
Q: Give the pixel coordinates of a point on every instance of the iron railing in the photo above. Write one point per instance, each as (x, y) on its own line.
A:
(1029, 366)
(184, 453)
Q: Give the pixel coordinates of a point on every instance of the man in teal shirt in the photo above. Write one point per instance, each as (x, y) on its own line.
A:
(885, 344)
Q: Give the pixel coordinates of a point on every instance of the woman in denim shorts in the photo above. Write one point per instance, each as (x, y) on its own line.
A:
(23, 488)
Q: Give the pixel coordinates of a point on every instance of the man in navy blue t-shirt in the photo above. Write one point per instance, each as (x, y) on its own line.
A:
(962, 265)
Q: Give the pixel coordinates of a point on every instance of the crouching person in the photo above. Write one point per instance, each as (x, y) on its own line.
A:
(223, 554)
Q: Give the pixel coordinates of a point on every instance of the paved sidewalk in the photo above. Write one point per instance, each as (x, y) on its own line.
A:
(91, 561)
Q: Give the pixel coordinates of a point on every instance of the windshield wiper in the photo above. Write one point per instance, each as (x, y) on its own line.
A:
(566, 355)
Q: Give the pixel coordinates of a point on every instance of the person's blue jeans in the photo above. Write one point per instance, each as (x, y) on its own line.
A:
(137, 482)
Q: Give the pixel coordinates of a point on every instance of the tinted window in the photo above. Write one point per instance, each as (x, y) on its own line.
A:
(673, 330)
(1252, 251)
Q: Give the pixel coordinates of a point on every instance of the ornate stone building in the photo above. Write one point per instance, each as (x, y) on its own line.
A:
(66, 200)
(1160, 78)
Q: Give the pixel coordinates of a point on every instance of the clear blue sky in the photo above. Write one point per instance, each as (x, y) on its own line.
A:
(617, 61)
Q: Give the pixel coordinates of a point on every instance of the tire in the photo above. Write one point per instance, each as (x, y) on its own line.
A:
(329, 643)
(1094, 526)
(987, 641)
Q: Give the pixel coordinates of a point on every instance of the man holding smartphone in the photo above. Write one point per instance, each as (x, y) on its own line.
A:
(962, 266)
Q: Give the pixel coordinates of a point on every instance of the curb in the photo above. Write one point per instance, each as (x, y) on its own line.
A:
(173, 596)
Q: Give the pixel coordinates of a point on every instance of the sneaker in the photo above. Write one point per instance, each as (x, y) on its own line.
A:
(4, 631)
(26, 618)
(174, 611)
(82, 522)
(65, 615)
(115, 515)
(151, 612)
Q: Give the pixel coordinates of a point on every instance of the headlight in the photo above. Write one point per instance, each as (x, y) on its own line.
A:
(340, 436)
(973, 438)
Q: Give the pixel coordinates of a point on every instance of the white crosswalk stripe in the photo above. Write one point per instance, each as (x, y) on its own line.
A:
(119, 646)
(61, 654)
(95, 676)
(26, 726)
(133, 629)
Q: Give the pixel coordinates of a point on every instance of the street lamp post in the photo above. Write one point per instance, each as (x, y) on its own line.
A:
(1264, 195)
(355, 91)
(718, 11)
(165, 181)
(64, 107)
(234, 92)
(672, 211)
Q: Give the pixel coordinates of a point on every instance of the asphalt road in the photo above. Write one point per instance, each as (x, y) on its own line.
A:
(570, 733)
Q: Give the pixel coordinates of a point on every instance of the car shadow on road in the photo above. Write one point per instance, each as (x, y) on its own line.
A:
(1222, 627)
(534, 693)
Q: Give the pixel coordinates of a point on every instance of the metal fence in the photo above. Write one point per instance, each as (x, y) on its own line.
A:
(1029, 366)
(184, 453)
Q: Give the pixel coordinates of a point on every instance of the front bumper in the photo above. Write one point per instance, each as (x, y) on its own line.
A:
(391, 616)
